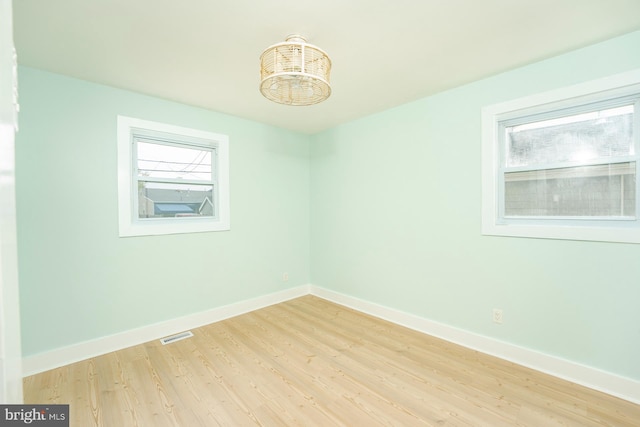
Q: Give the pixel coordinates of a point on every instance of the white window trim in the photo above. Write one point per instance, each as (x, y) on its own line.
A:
(491, 115)
(129, 224)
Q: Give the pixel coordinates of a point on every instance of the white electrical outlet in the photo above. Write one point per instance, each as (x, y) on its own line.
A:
(497, 315)
(285, 277)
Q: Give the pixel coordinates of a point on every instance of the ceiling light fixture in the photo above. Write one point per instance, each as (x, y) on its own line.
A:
(295, 73)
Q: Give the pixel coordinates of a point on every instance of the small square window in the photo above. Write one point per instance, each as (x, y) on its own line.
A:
(171, 179)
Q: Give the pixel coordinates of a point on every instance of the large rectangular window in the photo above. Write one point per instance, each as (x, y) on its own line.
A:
(566, 167)
(576, 165)
(171, 179)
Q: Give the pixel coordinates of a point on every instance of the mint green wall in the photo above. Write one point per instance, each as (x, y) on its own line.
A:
(395, 217)
(79, 280)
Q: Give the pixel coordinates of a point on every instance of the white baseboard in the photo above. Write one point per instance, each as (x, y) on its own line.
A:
(63, 356)
(596, 379)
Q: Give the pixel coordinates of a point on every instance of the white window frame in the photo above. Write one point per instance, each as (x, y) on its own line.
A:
(571, 229)
(129, 223)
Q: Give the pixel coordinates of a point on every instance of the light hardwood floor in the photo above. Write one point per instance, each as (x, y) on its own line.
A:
(309, 362)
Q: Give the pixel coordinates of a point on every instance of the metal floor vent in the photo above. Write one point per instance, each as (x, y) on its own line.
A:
(176, 337)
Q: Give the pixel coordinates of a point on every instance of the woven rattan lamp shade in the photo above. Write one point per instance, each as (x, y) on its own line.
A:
(295, 73)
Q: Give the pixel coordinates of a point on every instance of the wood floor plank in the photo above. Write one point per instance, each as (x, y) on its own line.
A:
(310, 362)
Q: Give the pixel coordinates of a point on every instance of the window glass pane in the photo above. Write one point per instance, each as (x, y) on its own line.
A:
(163, 200)
(167, 161)
(586, 191)
(578, 138)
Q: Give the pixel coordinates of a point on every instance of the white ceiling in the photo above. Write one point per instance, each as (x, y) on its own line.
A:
(384, 52)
